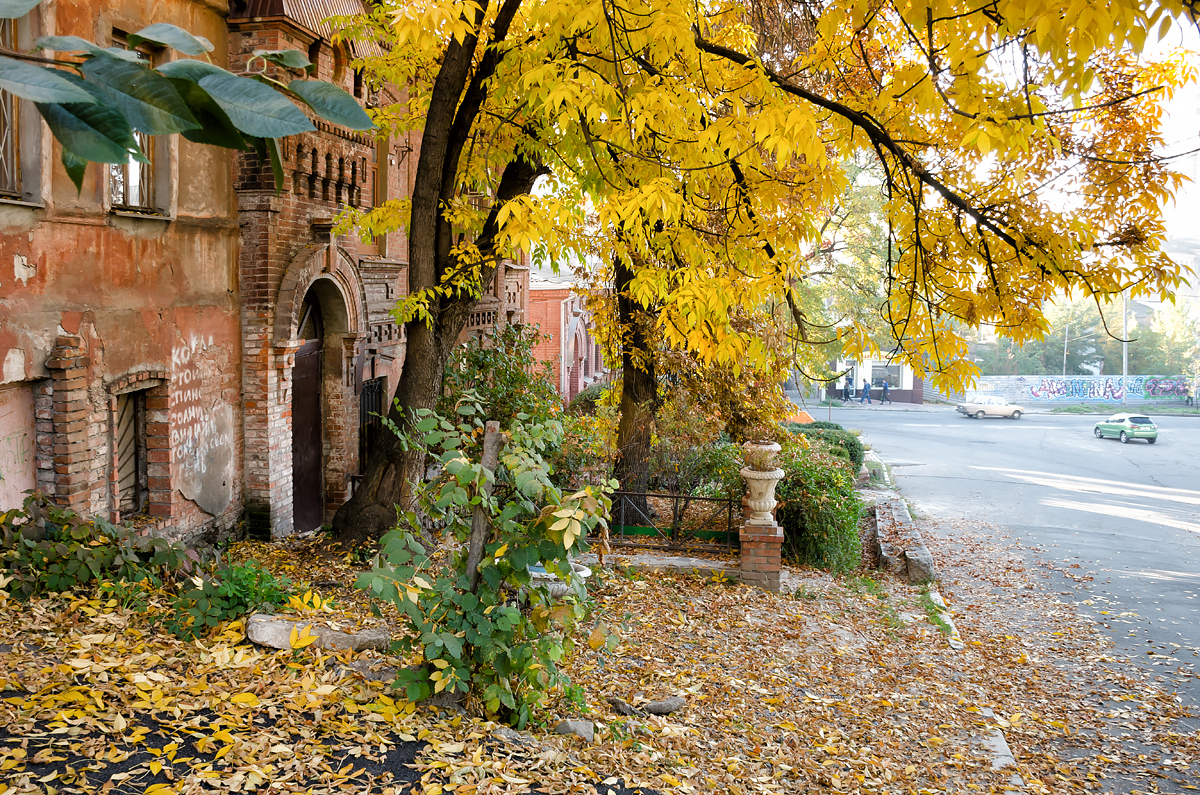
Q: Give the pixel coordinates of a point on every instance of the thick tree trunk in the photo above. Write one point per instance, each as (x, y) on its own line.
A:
(639, 391)
(456, 100)
(392, 470)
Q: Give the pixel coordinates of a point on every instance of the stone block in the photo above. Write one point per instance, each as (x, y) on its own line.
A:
(580, 728)
(666, 706)
(275, 632)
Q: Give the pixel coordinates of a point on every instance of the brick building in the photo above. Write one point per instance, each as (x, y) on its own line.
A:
(569, 347)
(119, 325)
(182, 344)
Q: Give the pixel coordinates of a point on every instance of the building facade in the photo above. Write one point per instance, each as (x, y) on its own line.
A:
(569, 345)
(904, 386)
(119, 318)
(184, 346)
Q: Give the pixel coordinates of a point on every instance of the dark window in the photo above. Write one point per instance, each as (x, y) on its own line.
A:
(131, 183)
(1141, 420)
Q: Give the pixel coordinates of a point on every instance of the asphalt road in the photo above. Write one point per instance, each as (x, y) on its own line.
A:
(1129, 515)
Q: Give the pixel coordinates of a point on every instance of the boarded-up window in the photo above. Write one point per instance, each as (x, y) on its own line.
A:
(130, 438)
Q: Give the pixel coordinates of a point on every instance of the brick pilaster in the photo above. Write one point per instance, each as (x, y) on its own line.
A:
(761, 552)
(72, 460)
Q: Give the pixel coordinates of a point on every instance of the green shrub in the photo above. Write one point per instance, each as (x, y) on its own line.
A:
(45, 548)
(818, 508)
(495, 638)
(844, 439)
(230, 592)
(587, 400)
(717, 471)
(825, 424)
(502, 375)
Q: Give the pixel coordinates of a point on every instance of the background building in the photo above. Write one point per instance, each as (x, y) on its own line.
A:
(570, 346)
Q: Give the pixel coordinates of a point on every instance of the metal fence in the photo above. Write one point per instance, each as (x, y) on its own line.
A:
(676, 522)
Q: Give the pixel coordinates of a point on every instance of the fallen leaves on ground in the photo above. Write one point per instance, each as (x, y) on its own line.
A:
(842, 687)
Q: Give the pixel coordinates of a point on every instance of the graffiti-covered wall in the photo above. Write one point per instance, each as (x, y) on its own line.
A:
(1084, 388)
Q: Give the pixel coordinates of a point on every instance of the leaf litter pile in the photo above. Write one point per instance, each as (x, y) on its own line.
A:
(843, 685)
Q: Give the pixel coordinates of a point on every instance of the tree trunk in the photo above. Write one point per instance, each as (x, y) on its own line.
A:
(639, 393)
(391, 470)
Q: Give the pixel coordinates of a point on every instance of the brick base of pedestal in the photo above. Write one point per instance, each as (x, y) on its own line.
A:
(761, 549)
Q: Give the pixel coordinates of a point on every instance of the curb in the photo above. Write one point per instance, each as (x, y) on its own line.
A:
(915, 563)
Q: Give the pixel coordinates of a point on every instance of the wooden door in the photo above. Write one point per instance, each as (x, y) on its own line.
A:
(308, 504)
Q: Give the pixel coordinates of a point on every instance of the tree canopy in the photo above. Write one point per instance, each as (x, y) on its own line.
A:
(707, 145)
(701, 148)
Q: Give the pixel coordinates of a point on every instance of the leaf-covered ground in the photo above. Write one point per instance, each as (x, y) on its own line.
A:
(843, 686)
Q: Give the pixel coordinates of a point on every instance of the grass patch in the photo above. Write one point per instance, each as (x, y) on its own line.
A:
(1113, 408)
(933, 612)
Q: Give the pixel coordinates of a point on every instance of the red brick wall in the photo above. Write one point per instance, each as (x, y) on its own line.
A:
(545, 311)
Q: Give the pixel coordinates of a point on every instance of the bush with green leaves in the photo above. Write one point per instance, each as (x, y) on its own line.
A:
(228, 593)
(818, 508)
(588, 399)
(45, 548)
(822, 424)
(718, 471)
(502, 374)
(493, 635)
(847, 441)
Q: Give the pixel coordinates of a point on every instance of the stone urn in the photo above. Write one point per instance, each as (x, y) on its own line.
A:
(761, 475)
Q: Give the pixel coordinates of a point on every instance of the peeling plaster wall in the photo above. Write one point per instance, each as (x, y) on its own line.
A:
(121, 298)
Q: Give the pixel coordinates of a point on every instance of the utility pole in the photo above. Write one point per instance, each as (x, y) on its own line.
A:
(1066, 335)
(1124, 343)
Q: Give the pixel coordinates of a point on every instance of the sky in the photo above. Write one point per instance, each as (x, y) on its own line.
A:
(1182, 134)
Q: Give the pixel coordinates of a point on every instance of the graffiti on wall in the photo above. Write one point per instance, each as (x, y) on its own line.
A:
(1108, 388)
(17, 460)
(201, 431)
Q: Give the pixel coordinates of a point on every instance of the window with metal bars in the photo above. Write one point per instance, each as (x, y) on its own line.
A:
(10, 158)
(129, 439)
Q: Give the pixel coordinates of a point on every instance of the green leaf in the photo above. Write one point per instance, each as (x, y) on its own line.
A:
(15, 9)
(40, 83)
(148, 99)
(99, 132)
(76, 44)
(453, 645)
(187, 69)
(332, 104)
(173, 37)
(276, 163)
(215, 127)
(254, 108)
(289, 59)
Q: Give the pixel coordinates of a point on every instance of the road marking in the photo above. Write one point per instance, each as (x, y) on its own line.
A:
(1125, 512)
(1097, 485)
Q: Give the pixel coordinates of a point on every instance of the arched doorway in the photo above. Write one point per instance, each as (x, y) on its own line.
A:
(308, 506)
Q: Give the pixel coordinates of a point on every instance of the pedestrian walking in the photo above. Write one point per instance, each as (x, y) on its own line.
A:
(1191, 394)
(866, 395)
(846, 389)
(885, 397)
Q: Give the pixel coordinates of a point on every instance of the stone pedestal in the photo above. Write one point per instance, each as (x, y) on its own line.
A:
(761, 546)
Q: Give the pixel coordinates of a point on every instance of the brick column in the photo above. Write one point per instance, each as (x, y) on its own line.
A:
(72, 459)
(761, 545)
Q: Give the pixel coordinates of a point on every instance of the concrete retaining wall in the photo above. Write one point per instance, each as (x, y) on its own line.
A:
(1042, 389)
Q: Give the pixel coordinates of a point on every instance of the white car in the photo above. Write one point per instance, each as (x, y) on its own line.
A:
(981, 407)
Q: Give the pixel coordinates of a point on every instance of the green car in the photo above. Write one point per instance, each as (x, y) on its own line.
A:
(1126, 427)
